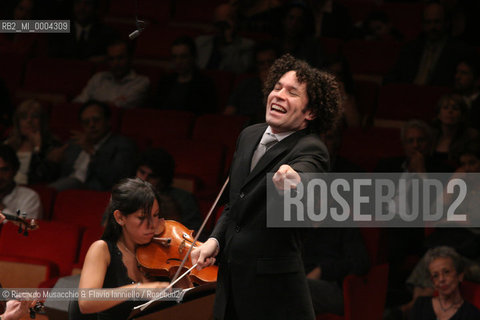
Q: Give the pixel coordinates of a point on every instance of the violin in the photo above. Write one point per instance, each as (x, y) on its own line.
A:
(37, 308)
(165, 253)
(24, 225)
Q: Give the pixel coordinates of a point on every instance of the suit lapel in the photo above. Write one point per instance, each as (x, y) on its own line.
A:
(245, 152)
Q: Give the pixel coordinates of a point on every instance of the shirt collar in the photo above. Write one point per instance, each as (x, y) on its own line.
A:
(280, 136)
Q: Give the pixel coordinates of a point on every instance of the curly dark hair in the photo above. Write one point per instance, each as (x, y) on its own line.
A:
(322, 89)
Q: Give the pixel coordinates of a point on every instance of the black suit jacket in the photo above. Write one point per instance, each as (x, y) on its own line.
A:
(410, 57)
(261, 270)
(114, 160)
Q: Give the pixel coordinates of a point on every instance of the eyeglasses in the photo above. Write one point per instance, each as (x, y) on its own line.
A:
(93, 120)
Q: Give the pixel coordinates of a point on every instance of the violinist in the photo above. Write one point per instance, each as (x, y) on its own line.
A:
(133, 218)
(261, 274)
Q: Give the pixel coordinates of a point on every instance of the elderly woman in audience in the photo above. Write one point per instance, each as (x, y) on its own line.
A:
(446, 270)
(465, 239)
(34, 143)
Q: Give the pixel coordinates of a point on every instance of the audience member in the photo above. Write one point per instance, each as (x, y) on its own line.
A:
(96, 158)
(441, 269)
(247, 97)
(157, 167)
(28, 44)
(431, 58)
(378, 26)
(297, 38)
(466, 84)
(120, 85)
(466, 237)
(88, 36)
(258, 15)
(330, 255)
(182, 89)
(465, 240)
(417, 140)
(451, 130)
(226, 49)
(339, 67)
(35, 145)
(12, 196)
(332, 19)
(465, 20)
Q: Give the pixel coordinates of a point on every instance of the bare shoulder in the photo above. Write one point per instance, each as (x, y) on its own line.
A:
(99, 251)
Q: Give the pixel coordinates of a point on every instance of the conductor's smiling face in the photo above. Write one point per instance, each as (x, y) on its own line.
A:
(287, 105)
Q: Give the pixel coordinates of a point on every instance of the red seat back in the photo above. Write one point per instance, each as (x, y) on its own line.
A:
(47, 197)
(57, 75)
(53, 241)
(402, 101)
(365, 148)
(145, 125)
(84, 208)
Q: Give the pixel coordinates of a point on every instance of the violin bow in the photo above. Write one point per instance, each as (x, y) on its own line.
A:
(177, 278)
(214, 205)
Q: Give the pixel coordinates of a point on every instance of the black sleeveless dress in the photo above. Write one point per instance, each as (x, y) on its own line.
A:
(117, 276)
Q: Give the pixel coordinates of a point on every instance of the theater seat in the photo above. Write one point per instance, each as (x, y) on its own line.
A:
(221, 129)
(47, 197)
(471, 292)
(12, 70)
(89, 236)
(364, 296)
(200, 159)
(402, 101)
(366, 148)
(366, 93)
(145, 125)
(371, 57)
(59, 76)
(46, 252)
(224, 81)
(83, 208)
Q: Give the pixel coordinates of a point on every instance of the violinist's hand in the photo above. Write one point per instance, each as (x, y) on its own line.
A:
(205, 254)
(16, 310)
(286, 178)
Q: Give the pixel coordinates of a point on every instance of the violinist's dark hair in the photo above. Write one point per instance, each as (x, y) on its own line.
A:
(322, 89)
(128, 196)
